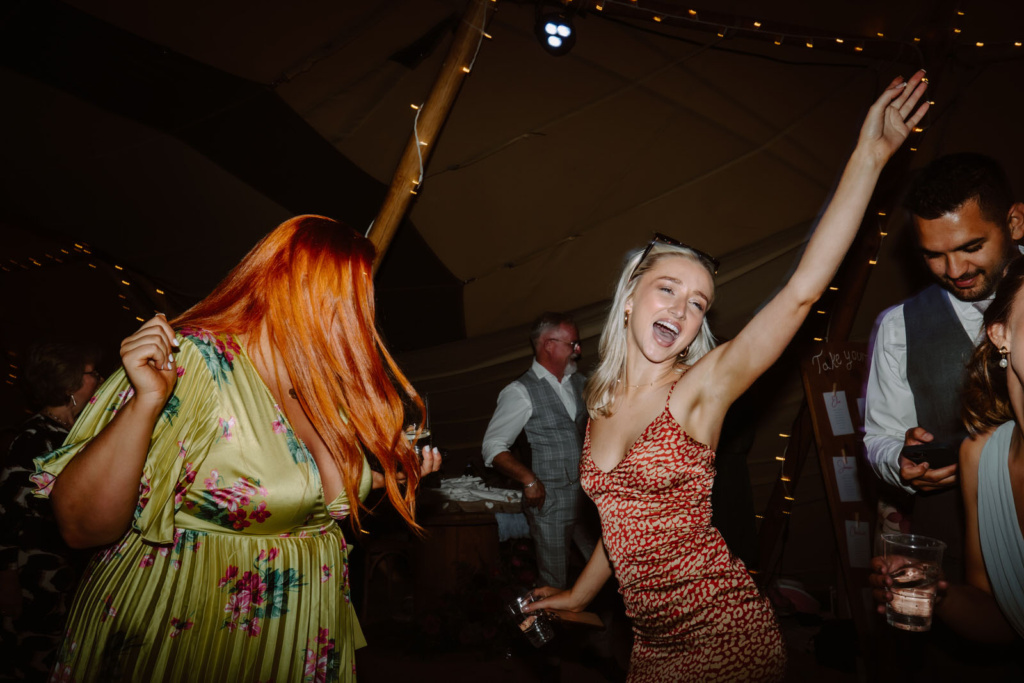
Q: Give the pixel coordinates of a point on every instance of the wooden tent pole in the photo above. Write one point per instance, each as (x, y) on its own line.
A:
(432, 116)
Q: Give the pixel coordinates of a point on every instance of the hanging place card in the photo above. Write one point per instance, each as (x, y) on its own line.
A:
(847, 482)
(838, 412)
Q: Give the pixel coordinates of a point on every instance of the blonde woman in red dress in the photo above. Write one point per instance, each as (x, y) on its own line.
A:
(657, 401)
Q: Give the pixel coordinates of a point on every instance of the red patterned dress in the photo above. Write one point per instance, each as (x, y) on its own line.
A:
(697, 615)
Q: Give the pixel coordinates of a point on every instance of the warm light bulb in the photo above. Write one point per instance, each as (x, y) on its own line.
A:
(979, 44)
(757, 24)
(657, 18)
(839, 40)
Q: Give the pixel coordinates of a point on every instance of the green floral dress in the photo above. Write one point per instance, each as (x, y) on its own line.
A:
(234, 568)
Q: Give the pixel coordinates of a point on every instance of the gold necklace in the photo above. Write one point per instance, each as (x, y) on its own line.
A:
(637, 386)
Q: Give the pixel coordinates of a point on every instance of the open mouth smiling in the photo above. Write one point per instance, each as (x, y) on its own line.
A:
(666, 331)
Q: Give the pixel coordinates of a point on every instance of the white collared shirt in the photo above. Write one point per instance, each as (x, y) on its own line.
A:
(889, 402)
(515, 408)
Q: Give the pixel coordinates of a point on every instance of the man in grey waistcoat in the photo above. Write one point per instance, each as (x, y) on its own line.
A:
(967, 223)
(546, 403)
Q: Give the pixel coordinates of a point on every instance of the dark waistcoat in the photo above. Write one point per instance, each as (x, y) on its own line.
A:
(555, 437)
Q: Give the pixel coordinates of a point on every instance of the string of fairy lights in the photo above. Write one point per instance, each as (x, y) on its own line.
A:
(130, 294)
(727, 25)
(466, 69)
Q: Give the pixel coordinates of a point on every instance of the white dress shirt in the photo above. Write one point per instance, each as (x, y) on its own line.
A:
(889, 402)
(515, 408)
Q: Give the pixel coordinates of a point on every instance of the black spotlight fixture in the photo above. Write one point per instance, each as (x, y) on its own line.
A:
(555, 32)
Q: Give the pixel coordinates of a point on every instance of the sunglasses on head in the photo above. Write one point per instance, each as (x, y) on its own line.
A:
(710, 261)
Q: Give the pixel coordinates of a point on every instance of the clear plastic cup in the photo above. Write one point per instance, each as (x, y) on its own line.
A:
(536, 626)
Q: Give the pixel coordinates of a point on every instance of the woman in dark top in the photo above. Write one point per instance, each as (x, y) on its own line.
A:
(38, 571)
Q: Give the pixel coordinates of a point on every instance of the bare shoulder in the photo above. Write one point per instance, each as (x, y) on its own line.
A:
(971, 448)
(694, 403)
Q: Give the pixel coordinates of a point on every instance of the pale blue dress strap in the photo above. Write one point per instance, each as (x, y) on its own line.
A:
(1002, 544)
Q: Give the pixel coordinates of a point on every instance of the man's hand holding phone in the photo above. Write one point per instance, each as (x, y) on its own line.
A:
(927, 465)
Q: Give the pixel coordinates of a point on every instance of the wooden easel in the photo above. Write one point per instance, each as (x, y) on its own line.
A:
(834, 375)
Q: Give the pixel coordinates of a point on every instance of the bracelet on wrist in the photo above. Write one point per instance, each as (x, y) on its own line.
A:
(532, 483)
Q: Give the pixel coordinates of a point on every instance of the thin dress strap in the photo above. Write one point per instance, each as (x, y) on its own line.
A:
(671, 389)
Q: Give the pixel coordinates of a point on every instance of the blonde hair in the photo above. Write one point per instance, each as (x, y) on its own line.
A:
(599, 392)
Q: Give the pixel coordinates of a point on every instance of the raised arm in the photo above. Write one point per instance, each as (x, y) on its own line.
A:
(95, 495)
(734, 365)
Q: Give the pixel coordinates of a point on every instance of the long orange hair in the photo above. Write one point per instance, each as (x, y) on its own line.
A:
(309, 282)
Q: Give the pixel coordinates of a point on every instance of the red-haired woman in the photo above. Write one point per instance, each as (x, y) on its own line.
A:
(215, 465)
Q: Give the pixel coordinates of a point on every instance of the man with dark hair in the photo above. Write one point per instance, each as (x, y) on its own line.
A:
(547, 403)
(967, 223)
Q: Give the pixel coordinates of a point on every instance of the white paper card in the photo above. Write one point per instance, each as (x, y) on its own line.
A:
(846, 479)
(838, 413)
(858, 544)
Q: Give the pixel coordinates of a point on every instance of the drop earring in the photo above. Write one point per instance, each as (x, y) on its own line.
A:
(1003, 360)
(625, 319)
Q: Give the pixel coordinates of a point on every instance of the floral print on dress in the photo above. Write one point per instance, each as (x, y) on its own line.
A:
(322, 660)
(259, 594)
(44, 480)
(171, 409)
(119, 400)
(61, 672)
(108, 608)
(183, 485)
(178, 626)
(300, 454)
(218, 352)
(232, 507)
(225, 427)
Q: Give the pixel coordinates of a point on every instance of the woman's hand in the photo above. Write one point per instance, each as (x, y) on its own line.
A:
(547, 597)
(148, 361)
(430, 462)
(892, 117)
